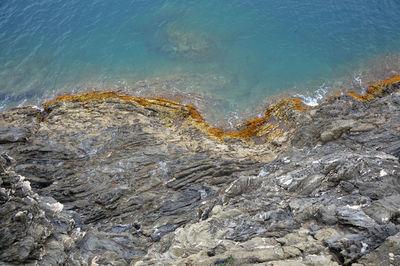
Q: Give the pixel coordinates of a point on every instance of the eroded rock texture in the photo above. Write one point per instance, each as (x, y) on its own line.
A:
(113, 182)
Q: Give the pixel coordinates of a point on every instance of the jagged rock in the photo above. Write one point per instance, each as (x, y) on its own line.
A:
(387, 254)
(112, 181)
(33, 228)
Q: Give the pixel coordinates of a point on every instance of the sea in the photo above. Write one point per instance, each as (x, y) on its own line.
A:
(230, 58)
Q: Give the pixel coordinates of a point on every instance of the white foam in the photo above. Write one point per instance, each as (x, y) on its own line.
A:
(359, 82)
(3, 105)
(314, 98)
(22, 103)
(232, 117)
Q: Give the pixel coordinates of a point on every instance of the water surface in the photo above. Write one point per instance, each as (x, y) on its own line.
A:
(232, 55)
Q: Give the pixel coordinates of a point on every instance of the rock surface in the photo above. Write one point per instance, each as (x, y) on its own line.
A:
(117, 182)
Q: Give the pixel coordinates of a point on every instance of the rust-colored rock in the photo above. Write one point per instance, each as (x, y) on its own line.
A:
(375, 90)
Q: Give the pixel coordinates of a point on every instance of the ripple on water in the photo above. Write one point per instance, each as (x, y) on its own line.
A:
(228, 58)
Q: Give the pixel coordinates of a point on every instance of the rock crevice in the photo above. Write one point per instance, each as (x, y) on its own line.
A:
(109, 179)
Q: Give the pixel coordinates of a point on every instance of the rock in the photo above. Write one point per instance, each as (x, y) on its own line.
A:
(385, 210)
(319, 260)
(326, 234)
(189, 45)
(387, 254)
(11, 134)
(116, 181)
(336, 129)
(30, 232)
(241, 185)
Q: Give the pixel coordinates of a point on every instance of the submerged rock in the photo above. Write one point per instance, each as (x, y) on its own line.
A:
(110, 179)
(189, 45)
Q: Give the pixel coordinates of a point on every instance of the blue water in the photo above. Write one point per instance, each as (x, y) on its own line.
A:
(234, 53)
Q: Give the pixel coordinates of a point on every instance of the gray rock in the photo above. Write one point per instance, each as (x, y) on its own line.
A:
(387, 254)
(32, 227)
(116, 183)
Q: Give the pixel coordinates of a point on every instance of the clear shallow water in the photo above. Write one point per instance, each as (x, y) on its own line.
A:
(233, 53)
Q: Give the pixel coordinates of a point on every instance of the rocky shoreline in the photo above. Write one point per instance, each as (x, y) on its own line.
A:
(108, 179)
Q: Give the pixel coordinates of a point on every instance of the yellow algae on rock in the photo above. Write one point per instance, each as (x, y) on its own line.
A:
(375, 90)
(277, 119)
(265, 126)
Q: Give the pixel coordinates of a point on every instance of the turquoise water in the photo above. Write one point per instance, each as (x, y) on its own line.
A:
(231, 55)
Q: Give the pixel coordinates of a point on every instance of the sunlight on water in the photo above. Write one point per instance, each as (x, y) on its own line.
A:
(227, 57)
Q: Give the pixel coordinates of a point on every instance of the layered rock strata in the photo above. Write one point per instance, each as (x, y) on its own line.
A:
(108, 179)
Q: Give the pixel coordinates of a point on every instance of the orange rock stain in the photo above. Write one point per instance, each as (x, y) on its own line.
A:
(267, 126)
(375, 90)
